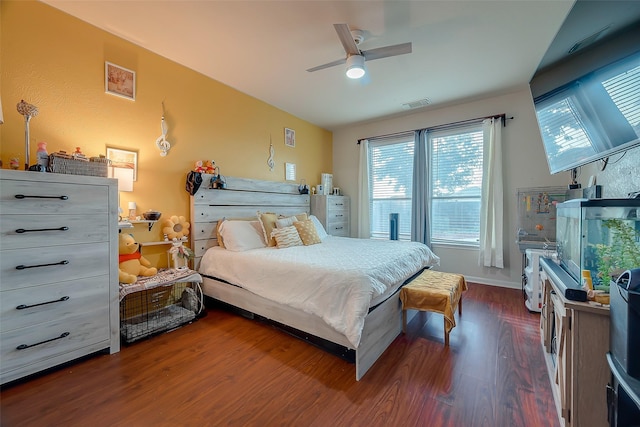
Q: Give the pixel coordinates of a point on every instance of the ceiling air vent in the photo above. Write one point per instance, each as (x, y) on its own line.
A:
(416, 104)
(589, 40)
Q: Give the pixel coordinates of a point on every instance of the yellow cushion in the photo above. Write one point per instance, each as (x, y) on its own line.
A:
(307, 231)
(268, 222)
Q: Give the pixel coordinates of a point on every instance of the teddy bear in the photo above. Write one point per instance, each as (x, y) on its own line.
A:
(132, 263)
(209, 166)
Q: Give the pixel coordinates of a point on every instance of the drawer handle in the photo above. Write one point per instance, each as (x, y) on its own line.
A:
(339, 228)
(25, 346)
(337, 215)
(22, 267)
(23, 230)
(22, 196)
(23, 306)
(339, 204)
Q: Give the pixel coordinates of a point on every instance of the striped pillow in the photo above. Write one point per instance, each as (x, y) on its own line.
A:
(286, 237)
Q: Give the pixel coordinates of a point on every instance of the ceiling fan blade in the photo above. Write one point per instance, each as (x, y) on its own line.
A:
(386, 51)
(346, 38)
(330, 64)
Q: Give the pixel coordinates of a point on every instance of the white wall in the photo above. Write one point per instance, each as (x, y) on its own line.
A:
(524, 161)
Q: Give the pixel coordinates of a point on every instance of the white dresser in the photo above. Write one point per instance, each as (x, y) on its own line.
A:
(333, 213)
(58, 270)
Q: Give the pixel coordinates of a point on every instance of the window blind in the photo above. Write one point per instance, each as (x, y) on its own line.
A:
(456, 185)
(391, 176)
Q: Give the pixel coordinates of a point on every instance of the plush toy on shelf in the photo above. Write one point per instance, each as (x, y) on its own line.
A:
(175, 227)
(132, 263)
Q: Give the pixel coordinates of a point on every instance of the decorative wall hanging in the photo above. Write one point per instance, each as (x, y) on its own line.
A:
(119, 81)
(162, 143)
(124, 159)
(28, 111)
(289, 137)
(270, 161)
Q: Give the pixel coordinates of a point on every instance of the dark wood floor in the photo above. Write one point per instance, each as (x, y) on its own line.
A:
(228, 370)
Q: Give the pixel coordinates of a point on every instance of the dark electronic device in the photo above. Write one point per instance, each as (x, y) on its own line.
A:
(625, 321)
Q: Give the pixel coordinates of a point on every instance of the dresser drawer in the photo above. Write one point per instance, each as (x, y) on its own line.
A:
(338, 229)
(34, 231)
(51, 339)
(21, 308)
(50, 264)
(337, 216)
(337, 203)
(51, 198)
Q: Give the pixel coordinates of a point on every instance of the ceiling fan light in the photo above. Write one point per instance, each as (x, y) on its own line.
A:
(355, 66)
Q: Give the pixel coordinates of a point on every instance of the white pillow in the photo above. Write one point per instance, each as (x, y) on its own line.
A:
(286, 222)
(322, 233)
(241, 236)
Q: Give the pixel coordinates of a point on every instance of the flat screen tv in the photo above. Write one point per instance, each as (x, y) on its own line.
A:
(592, 117)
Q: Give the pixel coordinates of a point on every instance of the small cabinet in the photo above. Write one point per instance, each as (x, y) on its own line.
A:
(575, 341)
(531, 275)
(333, 213)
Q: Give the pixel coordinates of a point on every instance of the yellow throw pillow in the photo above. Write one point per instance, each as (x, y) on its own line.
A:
(268, 222)
(286, 237)
(307, 232)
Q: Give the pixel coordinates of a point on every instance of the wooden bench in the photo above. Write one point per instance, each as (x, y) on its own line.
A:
(437, 292)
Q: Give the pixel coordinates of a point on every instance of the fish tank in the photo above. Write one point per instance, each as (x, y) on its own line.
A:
(598, 239)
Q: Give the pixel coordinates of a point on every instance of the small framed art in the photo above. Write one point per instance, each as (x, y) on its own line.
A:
(124, 159)
(119, 81)
(289, 137)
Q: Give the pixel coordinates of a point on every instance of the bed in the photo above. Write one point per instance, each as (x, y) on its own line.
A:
(354, 306)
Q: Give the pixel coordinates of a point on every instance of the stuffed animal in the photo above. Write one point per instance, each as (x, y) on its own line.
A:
(199, 167)
(132, 263)
(209, 166)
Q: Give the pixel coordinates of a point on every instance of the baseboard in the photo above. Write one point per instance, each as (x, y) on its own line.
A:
(499, 283)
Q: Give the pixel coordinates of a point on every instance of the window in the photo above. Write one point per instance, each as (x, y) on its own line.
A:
(391, 184)
(456, 184)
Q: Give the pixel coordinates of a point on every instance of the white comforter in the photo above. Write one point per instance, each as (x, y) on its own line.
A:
(336, 280)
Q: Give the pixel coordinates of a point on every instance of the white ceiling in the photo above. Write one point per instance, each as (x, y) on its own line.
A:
(461, 49)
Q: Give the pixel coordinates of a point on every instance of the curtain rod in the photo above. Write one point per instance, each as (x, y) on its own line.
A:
(445, 126)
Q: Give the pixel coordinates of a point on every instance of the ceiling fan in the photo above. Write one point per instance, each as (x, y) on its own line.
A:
(355, 57)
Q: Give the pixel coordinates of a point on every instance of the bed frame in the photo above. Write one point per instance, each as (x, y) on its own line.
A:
(243, 198)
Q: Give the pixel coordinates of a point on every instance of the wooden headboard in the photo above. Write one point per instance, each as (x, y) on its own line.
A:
(241, 198)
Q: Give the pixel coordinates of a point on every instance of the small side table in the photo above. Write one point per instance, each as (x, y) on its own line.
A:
(160, 303)
(437, 292)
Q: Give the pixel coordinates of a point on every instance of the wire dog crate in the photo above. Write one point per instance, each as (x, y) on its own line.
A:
(160, 303)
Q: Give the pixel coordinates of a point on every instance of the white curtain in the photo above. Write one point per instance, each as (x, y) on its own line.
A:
(491, 210)
(364, 229)
(420, 197)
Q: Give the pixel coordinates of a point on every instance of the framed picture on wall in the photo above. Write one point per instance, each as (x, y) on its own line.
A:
(126, 159)
(119, 81)
(289, 137)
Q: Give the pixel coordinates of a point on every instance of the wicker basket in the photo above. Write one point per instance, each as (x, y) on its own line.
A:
(68, 166)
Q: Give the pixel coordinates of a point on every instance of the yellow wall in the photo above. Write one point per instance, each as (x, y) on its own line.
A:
(56, 62)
